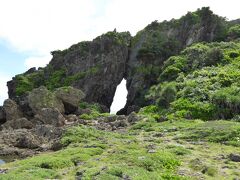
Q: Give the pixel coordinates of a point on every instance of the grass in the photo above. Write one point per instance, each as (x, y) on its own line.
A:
(225, 132)
(101, 155)
(149, 150)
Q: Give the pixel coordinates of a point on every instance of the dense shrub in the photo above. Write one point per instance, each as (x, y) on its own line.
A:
(234, 31)
(228, 101)
(172, 67)
(23, 85)
(205, 79)
(167, 95)
(194, 110)
(163, 94)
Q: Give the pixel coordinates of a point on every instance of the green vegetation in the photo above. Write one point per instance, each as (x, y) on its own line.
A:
(96, 154)
(201, 83)
(82, 47)
(28, 82)
(234, 31)
(219, 131)
(122, 38)
(54, 80)
(93, 111)
(139, 153)
(78, 76)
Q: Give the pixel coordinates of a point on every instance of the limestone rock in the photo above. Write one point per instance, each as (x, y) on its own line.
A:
(41, 98)
(72, 118)
(50, 116)
(27, 142)
(21, 123)
(132, 118)
(16, 138)
(145, 63)
(2, 116)
(234, 157)
(110, 118)
(70, 97)
(11, 110)
(48, 131)
(95, 67)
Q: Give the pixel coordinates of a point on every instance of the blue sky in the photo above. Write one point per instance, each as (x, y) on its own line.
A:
(11, 61)
(30, 29)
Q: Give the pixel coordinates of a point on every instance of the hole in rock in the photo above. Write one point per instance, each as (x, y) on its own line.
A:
(120, 97)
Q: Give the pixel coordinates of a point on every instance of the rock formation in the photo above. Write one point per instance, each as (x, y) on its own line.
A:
(97, 67)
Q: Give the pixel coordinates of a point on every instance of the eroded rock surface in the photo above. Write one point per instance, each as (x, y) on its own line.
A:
(2, 116)
(11, 110)
(27, 142)
(41, 98)
(70, 97)
(97, 67)
(21, 123)
(49, 116)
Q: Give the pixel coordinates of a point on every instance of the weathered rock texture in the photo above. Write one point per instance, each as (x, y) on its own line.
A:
(157, 42)
(50, 116)
(21, 123)
(2, 116)
(97, 67)
(42, 98)
(27, 142)
(71, 97)
(11, 110)
(40, 107)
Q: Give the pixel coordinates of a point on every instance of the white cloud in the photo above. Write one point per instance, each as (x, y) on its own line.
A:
(43, 26)
(41, 61)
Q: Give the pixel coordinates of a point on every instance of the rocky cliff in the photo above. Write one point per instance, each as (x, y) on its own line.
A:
(158, 41)
(97, 67)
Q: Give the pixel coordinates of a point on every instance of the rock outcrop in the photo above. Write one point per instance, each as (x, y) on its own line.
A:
(27, 142)
(21, 123)
(2, 116)
(71, 97)
(11, 110)
(97, 67)
(50, 116)
(151, 47)
(41, 98)
(40, 107)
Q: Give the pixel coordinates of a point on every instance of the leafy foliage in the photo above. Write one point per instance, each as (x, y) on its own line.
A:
(205, 78)
(25, 83)
(93, 111)
(234, 31)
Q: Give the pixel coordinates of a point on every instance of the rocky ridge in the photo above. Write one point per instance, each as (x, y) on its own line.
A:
(97, 67)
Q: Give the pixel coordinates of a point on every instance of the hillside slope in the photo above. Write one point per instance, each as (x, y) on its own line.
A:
(181, 120)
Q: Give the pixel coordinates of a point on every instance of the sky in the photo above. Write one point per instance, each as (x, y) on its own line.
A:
(31, 29)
